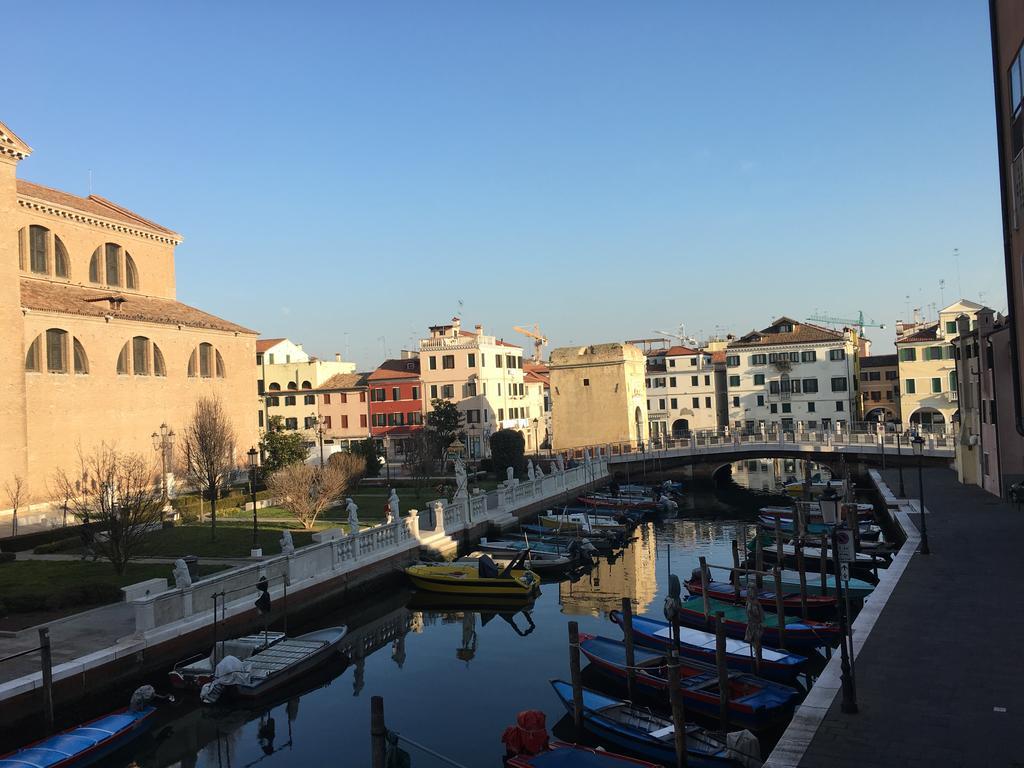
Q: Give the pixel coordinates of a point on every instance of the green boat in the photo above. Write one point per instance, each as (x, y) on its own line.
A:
(859, 589)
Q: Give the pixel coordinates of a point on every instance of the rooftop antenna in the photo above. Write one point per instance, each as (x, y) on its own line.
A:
(906, 304)
(346, 346)
(460, 309)
(942, 292)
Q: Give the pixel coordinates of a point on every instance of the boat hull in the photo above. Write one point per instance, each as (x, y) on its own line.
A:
(817, 605)
(645, 633)
(80, 744)
(798, 635)
(458, 580)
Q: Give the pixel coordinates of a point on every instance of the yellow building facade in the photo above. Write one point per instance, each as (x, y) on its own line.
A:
(598, 395)
(101, 349)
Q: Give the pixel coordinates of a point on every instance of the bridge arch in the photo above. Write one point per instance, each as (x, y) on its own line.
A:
(680, 428)
(882, 413)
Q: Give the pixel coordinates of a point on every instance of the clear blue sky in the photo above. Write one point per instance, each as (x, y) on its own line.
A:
(602, 168)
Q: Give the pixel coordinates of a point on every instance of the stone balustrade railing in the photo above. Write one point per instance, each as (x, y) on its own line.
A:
(234, 590)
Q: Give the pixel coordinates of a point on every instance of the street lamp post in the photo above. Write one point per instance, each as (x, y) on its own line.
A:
(882, 427)
(319, 421)
(256, 550)
(899, 453)
(162, 441)
(536, 445)
(918, 443)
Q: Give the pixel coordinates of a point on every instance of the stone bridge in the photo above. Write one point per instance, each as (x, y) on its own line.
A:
(708, 453)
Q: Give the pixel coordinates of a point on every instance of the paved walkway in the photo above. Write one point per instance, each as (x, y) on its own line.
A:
(939, 679)
(70, 638)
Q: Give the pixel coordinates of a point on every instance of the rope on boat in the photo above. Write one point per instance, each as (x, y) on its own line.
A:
(429, 751)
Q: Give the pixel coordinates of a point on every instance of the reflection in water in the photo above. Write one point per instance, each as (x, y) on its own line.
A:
(769, 474)
(631, 575)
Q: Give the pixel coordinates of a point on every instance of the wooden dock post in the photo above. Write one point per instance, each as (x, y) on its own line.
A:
(853, 521)
(678, 713)
(780, 557)
(824, 564)
(704, 586)
(779, 607)
(574, 671)
(378, 731)
(723, 671)
(627, 634)
(46, 658)
(801, 567)
(736, 569)
(758, 561)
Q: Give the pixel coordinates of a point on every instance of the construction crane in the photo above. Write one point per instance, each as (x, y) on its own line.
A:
(681, 337)
(860, 323)
(539, 340)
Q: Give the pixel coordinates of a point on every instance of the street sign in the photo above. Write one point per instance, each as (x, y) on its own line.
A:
(844, 571)
(844, 541)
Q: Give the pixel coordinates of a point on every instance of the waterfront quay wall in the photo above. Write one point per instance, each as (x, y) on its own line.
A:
(179, 622)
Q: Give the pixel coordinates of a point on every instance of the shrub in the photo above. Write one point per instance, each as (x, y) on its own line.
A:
(507, 447)
(7, 557)
(60, 545)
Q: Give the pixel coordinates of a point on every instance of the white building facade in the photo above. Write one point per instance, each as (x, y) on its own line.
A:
(483, 376)
(793, 376)
(683, 393)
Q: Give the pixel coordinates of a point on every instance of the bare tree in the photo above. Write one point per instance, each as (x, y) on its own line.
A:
(207, 448)
(421, 457)
(116, 495)
(17, 494)
(59, 488)
(306, 491)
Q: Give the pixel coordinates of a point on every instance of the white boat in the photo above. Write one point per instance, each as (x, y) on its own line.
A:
(583, 522)
(268, 670)
(197, 671)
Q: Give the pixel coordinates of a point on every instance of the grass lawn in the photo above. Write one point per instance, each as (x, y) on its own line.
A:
(234, 538)
(33, 591)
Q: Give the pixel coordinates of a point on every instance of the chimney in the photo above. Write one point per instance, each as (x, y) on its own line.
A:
(917, 315)
(337, 357)
(300, 347)
(479, 329)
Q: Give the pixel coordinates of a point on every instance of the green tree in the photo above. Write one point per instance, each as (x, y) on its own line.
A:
(280, 447)
(445, 420)
(368, 450)
(422, 457)
(507, 450)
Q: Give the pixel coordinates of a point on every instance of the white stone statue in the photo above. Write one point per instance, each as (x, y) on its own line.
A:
(353, 515)
(539, 471)
(392, 511)
(586, 457)
(182, 578)
(530, 473)
(461, 479)
(560, 463)
(287, 545)
(509, 475)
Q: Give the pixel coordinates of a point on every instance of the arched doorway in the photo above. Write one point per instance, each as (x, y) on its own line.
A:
(928, 420)
(680, 428)
(876, 415)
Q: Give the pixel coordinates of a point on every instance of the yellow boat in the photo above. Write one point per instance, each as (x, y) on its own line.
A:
(478, 579)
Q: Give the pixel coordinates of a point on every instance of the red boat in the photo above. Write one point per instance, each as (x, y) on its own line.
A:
(817, 605)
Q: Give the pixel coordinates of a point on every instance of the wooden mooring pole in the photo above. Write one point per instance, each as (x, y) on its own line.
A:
(735, 568)
(574, 671)
(802, 568)
(704, 586)
(678, 713)
(779, 607)
(723, 671)
(759, 560)
(780, 557)
(378, 731)
(824, 564)
(627, 633)
(46, 658)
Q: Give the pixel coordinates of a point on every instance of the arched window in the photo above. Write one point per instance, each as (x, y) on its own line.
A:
(274, 387)
(59, 351)
(113, 266)
(131, 275)
(141, 357)
(42, 251)
(306, 385)
(81, 361)
(206, 362)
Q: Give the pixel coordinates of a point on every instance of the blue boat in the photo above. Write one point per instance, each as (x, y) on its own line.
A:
(700, 645)
(752, 702)
(641, 732)
(562, 755)
(83, 745)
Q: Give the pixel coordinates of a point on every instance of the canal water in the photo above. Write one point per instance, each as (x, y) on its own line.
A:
(452, 679)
